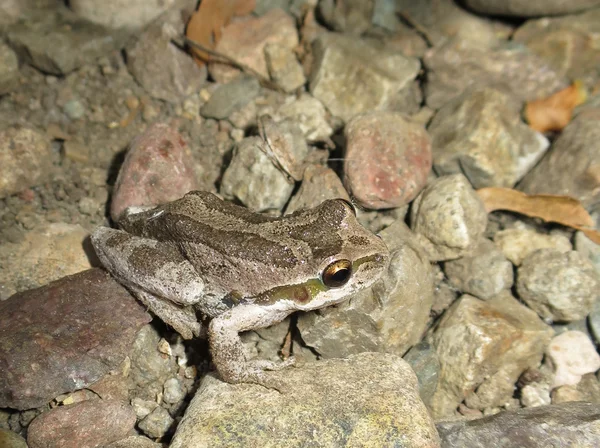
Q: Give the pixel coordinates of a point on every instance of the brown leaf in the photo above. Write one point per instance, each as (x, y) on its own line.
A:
(554, 113)
(206, 23)
(563, 210)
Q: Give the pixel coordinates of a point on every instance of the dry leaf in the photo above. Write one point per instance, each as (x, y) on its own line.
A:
(563, 210)
(206, 23)
(554, 113)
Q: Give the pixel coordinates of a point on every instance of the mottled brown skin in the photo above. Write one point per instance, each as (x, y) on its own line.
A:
(242, 269)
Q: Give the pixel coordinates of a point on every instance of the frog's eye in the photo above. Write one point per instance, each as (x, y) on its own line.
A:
(337, 273)
(349, 205)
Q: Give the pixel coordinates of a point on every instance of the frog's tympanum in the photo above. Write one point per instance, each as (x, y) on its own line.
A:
(242, 270)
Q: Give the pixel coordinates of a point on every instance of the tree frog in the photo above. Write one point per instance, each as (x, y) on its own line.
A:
(242, 270)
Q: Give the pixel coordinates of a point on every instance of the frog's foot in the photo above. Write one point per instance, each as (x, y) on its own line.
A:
(182, 319)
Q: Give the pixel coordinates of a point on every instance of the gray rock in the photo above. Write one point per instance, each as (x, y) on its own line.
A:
(517, 243)
(120, 13)
(566, 43)
(426, 365)
(350, 17)
(58, 42)
(530, 8)
(228, 98)
(173, 391)
(74, 331)
(9, 69)
(149, 367)
(484, 346)
(558, 286)
(252, 178)
(588, 249)
(475, 149)
(389, 317)
(84, 424)
(157, 423)
(45, 254)
(134, 442)
(578, 148)
(25, 159)
(351, 76)
(569, 424)
(162, 69)
(483, 273)
(367, 400)
(594, 321)
(319, 183)
(309, 114)
(9, 439)
(284, 68)
(448, 218)
(458, 64)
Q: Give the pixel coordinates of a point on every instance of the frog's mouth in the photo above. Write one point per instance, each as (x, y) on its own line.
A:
(315, 293)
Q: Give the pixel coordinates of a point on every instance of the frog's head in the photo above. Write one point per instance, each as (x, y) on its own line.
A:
(345, 258)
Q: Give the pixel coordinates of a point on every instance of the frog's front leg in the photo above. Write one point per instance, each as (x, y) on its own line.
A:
(227, 348)
(156, 273)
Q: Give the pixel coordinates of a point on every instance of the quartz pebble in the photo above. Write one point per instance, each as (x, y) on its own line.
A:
(572, 354)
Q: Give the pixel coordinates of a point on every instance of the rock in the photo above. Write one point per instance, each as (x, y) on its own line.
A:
(350, 76)
(149, 369)
(69, 334)
(143, 407)
(570, 424)
(309, 114)
(390, 317)
(588, 249)
(158, 168)
(448, 218)
(445, 18)
(134, 442)
(244, 40)
(58, 42)
(571, 355)
(426, 365)
(558, 286)
(284, 68)
(517, 243)
(86, 424)
(133, 14)
(44, 255)
(387, 159)
(173, 391)
(351, 17)
(163, 70)
(577, 147)
(369, 399)
(252, 178)
(566, 43)
(9, 439)
(533, 395)
(594, 321)
(484, 346)
(25, 159)
(444, 293)
(318, 184)
(475, 149)
(523, 8)
(156, 424)
(230, 97)
(484, 273)
(10, 11)
(9, 69)
(458, 64)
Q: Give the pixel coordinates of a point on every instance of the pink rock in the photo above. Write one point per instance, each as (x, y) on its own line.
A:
(158, 168)
(86, 424)
(572, 354)
(387, 159)
(244, 41)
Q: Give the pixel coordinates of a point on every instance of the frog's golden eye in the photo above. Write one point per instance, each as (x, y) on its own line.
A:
(337, 274)
(349, 205)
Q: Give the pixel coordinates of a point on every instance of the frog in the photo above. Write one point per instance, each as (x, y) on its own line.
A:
(202, 259)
